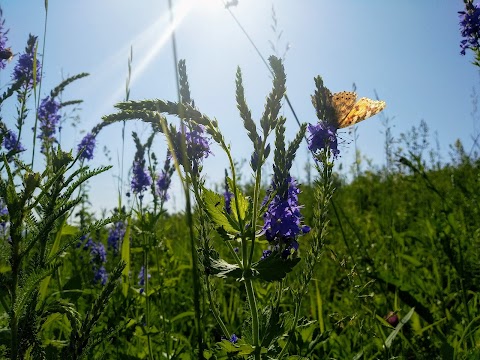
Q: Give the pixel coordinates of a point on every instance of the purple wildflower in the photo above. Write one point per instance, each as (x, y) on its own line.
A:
(98, 257)
(3, 41)
(98, 253)
(24, 66)
(282, 221)
(265, 254)
(11, 142)
(87, 145)
(197, 146)
(49, 119)
(101, 275)
(323, 135)
(165, 179)
(233, 339)
(115, 236)
(470, 27)
(141, 179)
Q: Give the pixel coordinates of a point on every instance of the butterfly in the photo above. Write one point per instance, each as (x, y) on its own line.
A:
(349, 111)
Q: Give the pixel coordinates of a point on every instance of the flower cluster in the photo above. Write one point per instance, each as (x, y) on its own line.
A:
(283, 221)
(24, 66)
(141, 180)
(470, 27)
(115, 236)
(49, 119)
(196, 146)
(164, 179)
(11, 142)
(86, 146)
(323, 136)
(98, 258)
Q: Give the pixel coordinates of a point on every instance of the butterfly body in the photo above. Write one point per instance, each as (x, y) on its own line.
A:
(349, 111)
(6, 54)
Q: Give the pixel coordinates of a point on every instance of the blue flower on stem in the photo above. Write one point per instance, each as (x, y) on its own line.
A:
(87, 145)
(470, 27)
(323, 136)
(24, 66)
(164, 179)
(283, 221)
(197, 146)
(233, 339)
(115, 236)
(98, 257)
(11, 142)
(49, 120)
(141, 179)
(101, 275)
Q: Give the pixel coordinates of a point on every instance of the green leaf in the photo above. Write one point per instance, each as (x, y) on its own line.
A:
(244, 202)
(56, 244)
(223, 269)
(215, 205)
(274, 268)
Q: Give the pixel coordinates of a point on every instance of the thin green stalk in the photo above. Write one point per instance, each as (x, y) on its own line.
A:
(37, 101)
(256, 195)
(162, 306)
(253, 309)
(174, 48)
(146, 247)
(196, 282)
(215, 312)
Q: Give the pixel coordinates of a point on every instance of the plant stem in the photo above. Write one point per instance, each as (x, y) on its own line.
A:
(253, 309)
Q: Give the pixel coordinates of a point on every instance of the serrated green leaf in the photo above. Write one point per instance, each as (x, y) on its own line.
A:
(215, 205)
(223, 269)
(274, 268)
(244, 204)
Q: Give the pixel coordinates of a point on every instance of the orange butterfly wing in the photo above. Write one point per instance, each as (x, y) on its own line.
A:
(343, 102)
(349, 111)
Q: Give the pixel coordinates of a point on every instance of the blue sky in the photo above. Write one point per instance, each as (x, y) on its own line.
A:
(407, 51)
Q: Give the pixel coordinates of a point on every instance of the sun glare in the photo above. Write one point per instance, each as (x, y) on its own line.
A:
(148, 44)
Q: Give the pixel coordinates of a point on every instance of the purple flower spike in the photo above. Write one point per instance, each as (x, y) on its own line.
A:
(87, 145)
(470, 27)
(101, 275)
(24, 66)
(141, 180)
(115, 236)
(322, 136)
(49, 120)
(11, 142)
